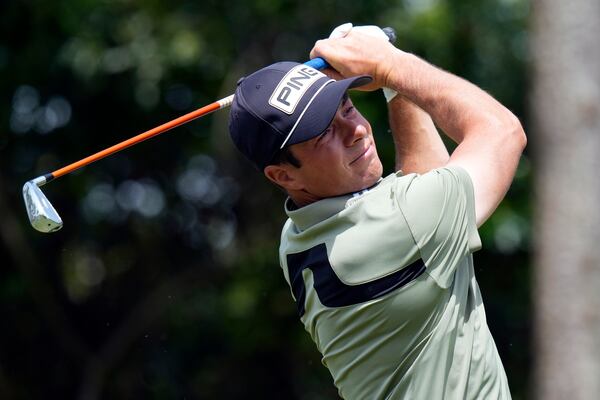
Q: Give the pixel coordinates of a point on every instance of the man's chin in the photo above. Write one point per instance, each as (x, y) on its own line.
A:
(368, 182)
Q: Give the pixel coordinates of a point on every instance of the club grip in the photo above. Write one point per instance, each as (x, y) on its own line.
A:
(317, 63)
(320, 63)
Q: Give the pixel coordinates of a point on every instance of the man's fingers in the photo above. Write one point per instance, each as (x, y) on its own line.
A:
(356, 54)
(332, 73)
(316, 50)
(341, 31)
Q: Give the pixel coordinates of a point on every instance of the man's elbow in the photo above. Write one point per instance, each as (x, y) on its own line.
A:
(509, 132)
(517, 133)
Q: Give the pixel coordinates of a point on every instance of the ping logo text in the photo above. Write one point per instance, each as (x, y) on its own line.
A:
(292, 87)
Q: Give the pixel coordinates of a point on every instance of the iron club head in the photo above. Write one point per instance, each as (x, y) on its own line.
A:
(42, 215)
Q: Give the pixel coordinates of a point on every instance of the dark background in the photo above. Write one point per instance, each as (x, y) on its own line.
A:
(164, 281)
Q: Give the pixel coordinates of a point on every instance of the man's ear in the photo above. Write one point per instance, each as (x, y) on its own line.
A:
(282, 175)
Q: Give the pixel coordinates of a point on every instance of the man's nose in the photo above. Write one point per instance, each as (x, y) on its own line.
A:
(354, 132)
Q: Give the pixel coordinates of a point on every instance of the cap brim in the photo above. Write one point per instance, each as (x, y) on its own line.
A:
(321, 111)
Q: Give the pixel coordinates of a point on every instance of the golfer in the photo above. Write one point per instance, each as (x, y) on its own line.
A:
(381, 268)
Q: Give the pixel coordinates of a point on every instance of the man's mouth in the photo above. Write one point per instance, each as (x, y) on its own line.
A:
(364, 155)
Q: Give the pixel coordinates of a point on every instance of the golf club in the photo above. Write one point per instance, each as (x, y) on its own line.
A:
(42, 215)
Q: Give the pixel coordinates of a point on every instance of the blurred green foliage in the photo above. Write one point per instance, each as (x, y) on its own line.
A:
(164, 282)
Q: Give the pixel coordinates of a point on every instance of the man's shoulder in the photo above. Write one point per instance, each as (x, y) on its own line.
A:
(439, 184)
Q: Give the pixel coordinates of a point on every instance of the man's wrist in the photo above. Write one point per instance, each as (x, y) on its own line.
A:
(392, 73)
(412, 77)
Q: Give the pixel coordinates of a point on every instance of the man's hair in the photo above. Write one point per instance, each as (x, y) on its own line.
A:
(285, 156)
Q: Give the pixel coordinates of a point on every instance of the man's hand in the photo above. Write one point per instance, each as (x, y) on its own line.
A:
(371, 30)
(357, 53)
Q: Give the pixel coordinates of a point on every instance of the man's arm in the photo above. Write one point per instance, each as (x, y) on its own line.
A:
(490, 138)
(419, 147)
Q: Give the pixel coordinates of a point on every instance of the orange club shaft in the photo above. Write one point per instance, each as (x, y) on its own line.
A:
(225, 102)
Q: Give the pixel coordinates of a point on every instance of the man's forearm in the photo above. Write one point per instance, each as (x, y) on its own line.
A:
(418, 145)
(457, 106)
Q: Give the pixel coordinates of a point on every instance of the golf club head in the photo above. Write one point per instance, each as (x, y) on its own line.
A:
(42, 215)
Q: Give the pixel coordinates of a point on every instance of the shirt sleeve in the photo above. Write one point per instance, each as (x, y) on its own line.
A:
(439, 208)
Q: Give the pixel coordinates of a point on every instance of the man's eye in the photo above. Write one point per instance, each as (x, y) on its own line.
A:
(325, 132)
(348, 110)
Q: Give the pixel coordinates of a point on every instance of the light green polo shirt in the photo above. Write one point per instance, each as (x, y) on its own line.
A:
(384, 284)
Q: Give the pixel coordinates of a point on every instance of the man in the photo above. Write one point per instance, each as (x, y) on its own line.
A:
(381, 269)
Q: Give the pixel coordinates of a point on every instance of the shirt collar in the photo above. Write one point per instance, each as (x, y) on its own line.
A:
(311, 214)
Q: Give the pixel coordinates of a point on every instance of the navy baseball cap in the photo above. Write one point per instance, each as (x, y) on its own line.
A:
(281, 105)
